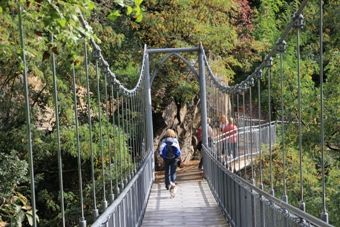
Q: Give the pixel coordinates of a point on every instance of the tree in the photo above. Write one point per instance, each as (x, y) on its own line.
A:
(41, 21)
(278, 14)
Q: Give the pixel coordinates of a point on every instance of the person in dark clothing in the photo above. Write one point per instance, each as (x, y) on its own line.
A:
(199, 136)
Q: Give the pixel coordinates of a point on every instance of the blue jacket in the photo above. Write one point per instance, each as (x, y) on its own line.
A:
(174, 144)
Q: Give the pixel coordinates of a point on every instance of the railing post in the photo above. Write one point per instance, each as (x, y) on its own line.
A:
(28, 117)
(60, 162)
(203, 96)
(149, 126)
(95, 55)
(324, 214)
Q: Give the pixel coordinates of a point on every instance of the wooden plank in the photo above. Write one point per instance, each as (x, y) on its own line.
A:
(193, 205)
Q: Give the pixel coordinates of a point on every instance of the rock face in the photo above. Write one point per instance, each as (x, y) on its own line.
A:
(184, 120)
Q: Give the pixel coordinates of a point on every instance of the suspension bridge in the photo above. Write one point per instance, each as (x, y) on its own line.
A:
(236, 190)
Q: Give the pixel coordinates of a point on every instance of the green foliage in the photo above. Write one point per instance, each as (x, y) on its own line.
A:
(128, 74)
(234, 36)
(224, 28)
(185, 91)
(16, 209)
(13, 171)
(39, 21)
(312, 177)
(131, 10)
(278, 14)
(273, 175)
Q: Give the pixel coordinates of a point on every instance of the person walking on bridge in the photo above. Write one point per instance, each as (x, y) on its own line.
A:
(170, 152)
(199, 136)
(231, 137)
(223, 148)
(223, 122)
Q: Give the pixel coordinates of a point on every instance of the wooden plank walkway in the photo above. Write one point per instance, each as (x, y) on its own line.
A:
(193, 205)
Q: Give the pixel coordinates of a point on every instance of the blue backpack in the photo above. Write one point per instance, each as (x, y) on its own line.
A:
(170, 151)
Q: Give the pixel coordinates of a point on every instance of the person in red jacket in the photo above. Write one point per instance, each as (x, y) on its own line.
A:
(231, 138)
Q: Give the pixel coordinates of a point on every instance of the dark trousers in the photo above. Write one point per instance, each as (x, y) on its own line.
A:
(170, 166)
(200, 165)
(199, 147)
(232, 149)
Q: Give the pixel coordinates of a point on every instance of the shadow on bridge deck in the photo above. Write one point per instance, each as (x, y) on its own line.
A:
(193, 205)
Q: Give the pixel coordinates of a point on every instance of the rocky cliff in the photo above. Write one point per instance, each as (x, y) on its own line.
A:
(184, 120)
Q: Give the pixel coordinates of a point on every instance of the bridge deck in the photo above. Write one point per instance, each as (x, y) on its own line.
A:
(193, 205)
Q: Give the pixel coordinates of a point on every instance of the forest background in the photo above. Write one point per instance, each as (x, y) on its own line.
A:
(236, 34)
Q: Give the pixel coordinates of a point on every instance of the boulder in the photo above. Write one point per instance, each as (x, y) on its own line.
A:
(184, 120)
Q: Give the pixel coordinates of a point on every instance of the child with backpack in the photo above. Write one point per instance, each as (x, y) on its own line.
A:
(170, 152)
